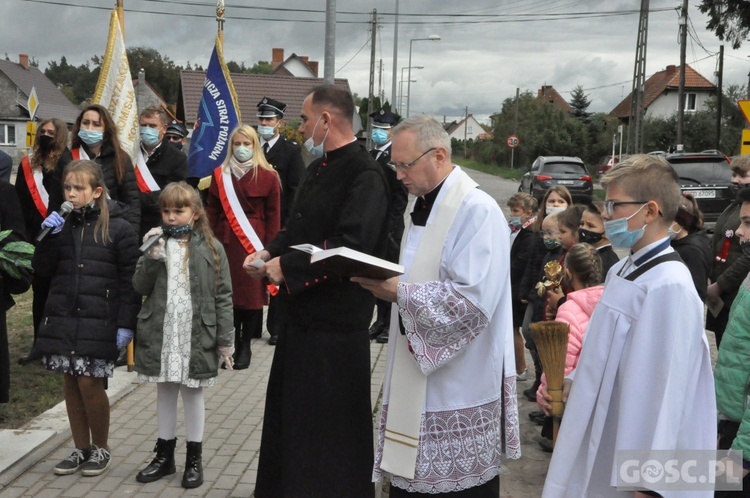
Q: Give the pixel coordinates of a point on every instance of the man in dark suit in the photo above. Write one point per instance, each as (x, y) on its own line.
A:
(165, 163)
(382, 123)
(286, 158)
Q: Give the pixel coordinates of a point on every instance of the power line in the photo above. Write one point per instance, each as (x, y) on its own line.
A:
(496, 18)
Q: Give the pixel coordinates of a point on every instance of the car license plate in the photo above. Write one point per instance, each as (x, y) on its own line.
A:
(565, 182)
(703, 194)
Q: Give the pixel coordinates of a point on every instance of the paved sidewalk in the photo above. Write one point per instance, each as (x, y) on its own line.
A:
(234, 415)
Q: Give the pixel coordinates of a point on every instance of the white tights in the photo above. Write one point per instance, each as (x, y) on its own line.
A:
(166, 410)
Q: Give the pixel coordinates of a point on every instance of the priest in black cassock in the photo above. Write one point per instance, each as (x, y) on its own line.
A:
(317, 432)
(383, 122)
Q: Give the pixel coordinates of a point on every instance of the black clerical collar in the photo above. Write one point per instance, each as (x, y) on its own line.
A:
(423, 206)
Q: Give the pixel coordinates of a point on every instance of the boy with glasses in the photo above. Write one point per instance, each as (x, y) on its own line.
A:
(644, 380)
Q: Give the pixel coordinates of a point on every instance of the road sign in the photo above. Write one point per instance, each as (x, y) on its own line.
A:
(745, 144)
(513, 141)
(33, 103)
(30, 133)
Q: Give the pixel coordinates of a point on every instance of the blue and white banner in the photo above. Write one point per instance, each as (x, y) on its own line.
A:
(218, 115)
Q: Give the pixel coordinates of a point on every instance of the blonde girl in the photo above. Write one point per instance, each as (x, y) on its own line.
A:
(185, 325)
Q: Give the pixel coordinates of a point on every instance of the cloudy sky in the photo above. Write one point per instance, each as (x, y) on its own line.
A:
(485, 51)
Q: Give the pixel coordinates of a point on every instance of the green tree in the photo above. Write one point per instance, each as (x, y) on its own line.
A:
(76, 82)
(729, 19)
(580, 103)
(543, 129)
(261, 67)
(161, 72)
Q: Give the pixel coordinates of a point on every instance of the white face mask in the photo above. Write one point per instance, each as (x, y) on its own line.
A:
(315, 150)
(555, 209)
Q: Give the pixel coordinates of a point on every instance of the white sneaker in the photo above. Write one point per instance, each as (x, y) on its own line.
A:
(524, 375)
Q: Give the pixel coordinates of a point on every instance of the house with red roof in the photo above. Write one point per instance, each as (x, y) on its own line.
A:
(250, 88)
(660, 96)
(548, 94)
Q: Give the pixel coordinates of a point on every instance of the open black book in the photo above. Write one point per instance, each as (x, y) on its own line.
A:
(350, 263)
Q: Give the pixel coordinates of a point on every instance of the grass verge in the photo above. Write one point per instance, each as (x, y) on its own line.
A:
(33, 389)
(507, 173)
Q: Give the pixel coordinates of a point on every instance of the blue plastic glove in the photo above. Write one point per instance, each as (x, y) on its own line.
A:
(124, 336)
(54, 221)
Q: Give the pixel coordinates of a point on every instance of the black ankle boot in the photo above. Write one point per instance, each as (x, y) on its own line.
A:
(243, 356)
(193, 476)
(162, 464)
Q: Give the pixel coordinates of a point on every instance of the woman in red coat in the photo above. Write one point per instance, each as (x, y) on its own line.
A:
(245, 189)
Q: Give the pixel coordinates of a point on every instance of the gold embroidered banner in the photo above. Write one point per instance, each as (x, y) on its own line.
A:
(114, 90)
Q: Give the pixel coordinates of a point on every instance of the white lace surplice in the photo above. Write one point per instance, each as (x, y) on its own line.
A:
(460, 333)
(178, 323)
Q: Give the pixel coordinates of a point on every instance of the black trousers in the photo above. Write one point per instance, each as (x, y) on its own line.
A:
(490, 489)
(727, 434)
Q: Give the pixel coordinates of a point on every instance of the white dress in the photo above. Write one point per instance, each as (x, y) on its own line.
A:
(178, 323)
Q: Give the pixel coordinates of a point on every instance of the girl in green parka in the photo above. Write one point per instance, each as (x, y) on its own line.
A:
(185, 327)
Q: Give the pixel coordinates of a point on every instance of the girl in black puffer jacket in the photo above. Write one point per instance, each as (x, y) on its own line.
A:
(91, 309)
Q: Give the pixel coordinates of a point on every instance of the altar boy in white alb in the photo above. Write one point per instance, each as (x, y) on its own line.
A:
(643, 380)
(449, 405)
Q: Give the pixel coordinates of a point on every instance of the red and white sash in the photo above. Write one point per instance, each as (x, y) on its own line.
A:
(79, 153)
(235, 214)
(143, 176)
(36, 188)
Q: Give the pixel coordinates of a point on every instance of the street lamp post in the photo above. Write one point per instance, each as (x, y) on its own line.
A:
(408, 84)
(401, 95)
(400, 102)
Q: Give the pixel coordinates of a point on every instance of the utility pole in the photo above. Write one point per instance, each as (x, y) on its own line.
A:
(466, 127)
(381, 93)
(395, 58)
(371, 96)
(681, 89)
(635, 122)
(330, 48)
(720, 97)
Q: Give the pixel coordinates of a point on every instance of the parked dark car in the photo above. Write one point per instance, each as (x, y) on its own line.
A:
(708, 177)
(548, 171)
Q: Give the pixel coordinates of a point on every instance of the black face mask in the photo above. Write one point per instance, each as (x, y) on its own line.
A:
(45, 142)
(745, 249)
(588, 236)
(178, 145)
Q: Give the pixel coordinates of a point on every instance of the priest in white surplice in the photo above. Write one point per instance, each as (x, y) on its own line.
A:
(449, 404)
(643, 380)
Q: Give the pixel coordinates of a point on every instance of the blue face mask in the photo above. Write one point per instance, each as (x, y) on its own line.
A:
(379, 136)
(267, 132)
(243, 154)
(149, 136)
(316, 151)
(618, 233)
(515, 221)
(91, 137)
